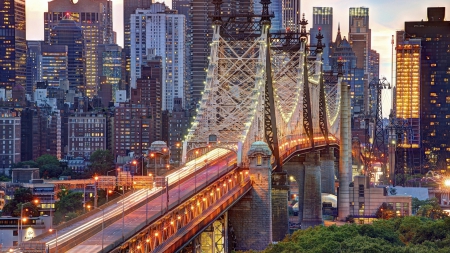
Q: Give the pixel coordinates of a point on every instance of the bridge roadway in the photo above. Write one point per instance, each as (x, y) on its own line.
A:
(134, 221)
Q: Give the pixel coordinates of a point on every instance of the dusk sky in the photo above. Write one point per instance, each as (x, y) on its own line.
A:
(386, 16)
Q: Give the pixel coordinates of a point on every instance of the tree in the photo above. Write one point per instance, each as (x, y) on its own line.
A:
(47, 159)
(50, 171)
(385, 211)
(21, 196)
(48, 166)
(429, 208)
(69, 201)
(30, 163)
(101, 161)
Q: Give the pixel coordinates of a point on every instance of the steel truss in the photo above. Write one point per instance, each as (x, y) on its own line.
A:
(261, 86)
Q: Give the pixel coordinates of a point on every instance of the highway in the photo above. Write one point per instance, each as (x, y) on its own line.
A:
(132, 220)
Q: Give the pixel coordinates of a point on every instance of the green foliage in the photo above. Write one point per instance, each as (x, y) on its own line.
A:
(4, 178)
(429, 208)
(21, 196)
(403, 235)
(101, 161)
(48, 166)
(69, 201)
(23, 164)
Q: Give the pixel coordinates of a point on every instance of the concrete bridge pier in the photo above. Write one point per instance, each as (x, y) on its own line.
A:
(251, 217)
(312, 196)
(327, 162)
(296, 169)
(280, 212)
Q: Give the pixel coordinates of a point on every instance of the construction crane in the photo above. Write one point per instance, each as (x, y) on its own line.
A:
(377, 147)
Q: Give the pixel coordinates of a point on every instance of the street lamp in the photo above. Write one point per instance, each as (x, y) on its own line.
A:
(22, 219)
(447, 182)
(108, 175)
(103, 222)
(153, 155)
(56, 241)
(95, 189)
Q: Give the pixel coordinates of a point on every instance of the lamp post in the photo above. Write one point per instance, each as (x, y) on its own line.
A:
(56, 240)
(103, 222)
(108, 191)
(95, 191)
(22, 219)
(153, 155)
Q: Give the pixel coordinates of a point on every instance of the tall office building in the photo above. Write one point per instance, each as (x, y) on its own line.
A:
(359, 36)
(130, 7)
(54, 64)
(13, 49)
(68, 33)
(291, 15)
(323, 19)
(112, 72)
(183, 7)
(33, 72)
(342, 51)
(158, 31)
(95, 19)
(422, 94)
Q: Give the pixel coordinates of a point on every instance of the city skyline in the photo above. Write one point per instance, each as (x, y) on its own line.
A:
(384, 22)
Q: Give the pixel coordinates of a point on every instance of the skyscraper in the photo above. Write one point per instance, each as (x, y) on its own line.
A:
(13, 47)
(54, 64)
(68, 33)
(160, 32)
(423, 58)
(291, 15)
(130, 7)
(95, 19)
(359, 37)
(112, 71)
(323, 19)
(33, 65)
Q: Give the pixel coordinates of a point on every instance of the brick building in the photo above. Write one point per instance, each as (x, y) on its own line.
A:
(87, 133)
(133, 125)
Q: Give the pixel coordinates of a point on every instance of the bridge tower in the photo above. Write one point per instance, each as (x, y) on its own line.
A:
(251, 218)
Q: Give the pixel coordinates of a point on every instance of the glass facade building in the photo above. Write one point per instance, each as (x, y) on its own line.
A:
(13, 49)
(423, 78)
(54, 64)
(68, 33)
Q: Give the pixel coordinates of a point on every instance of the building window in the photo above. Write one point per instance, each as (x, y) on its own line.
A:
(259, 160)
(361, 190)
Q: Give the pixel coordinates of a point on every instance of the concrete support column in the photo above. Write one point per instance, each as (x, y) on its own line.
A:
(349, 136)
(251, 217)
(344, 170)
(312, 197)
(327, 171)
(280, 212)
(297, 170)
